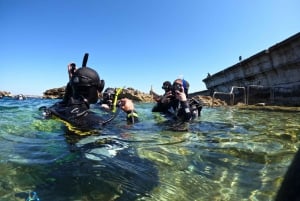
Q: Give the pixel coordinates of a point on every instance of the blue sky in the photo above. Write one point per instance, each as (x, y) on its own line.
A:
(135, 43)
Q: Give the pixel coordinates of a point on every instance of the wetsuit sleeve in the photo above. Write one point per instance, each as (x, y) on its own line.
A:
(160, 107)
(68, 93)
(132, 117)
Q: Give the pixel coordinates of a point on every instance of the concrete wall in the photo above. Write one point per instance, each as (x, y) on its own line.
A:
(277, 68)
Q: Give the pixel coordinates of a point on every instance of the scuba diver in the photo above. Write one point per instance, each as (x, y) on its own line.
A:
(109, 100)
(20, 97)
(82, 91)
(176, 104)
(167, 86)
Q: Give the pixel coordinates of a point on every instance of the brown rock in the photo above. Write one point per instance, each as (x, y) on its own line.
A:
(55, 93)
(135, 95)
(207, 101)
(5, 93)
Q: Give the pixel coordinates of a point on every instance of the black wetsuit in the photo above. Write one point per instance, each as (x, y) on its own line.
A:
(179, 110)
(77, 112)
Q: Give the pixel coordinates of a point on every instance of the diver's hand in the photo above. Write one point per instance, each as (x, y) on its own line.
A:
(126, 105)
(180, 95)
(166, 97)
(71, 69)
(105, 106)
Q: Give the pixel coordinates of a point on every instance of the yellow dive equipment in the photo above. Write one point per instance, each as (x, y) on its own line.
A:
(118, 91)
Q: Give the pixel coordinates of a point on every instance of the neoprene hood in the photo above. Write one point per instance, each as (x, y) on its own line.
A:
(85, 83)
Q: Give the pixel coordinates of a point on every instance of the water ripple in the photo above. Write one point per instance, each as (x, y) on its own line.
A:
(228, 154)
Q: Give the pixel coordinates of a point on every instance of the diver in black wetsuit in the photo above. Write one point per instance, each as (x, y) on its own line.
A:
(107, 100)
(167, 86)
(84, 85)
(107, 103)
(81, 91)
(175, 103)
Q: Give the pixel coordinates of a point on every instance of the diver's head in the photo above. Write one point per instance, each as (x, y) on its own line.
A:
(167, 86)
(86, 83)
(108, 96)
(179, 83)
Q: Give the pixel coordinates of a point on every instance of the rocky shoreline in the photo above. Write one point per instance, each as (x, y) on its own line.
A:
(133, 94)
(138, 96)
(5, 94)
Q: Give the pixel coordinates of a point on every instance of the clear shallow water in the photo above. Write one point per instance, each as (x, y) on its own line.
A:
(228, 154)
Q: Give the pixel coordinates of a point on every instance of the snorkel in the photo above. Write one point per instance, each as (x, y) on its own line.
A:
(118, 91)
(116, 110)
(85, 59)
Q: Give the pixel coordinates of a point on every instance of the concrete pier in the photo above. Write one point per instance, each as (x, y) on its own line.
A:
(271, 76)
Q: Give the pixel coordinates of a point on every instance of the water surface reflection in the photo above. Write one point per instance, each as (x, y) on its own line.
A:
(228, 154)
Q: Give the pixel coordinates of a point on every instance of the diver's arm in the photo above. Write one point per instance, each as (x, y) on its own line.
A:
(71, 69)
(185, 111)
(163, 103)
(128, 107)
(155, 96)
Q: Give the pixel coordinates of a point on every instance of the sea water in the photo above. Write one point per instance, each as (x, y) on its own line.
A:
(227, 154)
